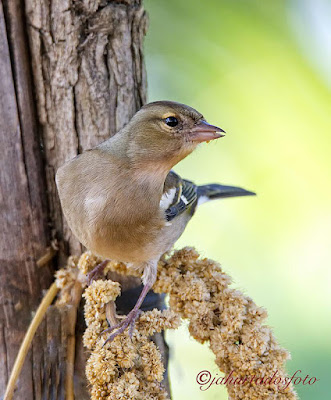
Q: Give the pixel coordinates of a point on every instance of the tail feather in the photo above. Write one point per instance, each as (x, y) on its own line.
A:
(216, 191)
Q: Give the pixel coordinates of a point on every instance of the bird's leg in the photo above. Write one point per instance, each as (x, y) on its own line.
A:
(96, 271)
(149, 277)
(130, 318)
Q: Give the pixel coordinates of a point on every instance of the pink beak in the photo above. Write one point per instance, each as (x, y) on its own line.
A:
(203, 132)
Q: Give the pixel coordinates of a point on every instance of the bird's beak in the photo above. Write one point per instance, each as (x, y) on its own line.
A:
(203, 132)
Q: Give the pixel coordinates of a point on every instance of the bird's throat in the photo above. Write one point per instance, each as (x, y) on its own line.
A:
(151, 175)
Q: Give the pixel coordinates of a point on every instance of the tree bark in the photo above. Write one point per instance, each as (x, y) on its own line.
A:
(89, 80)
(71, 75)
(24, 234)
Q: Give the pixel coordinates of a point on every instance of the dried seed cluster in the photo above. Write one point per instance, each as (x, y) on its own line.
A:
(65, 280)
(199, 290)
(231, 322)
(126, 368)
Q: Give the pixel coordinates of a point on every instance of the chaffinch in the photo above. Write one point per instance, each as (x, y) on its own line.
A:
(122, 200)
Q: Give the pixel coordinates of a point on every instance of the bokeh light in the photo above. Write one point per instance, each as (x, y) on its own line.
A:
(259, 70)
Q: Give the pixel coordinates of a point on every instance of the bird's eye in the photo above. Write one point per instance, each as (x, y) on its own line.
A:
(171, 121)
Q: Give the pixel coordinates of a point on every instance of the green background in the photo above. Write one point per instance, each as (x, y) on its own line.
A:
(259, 70)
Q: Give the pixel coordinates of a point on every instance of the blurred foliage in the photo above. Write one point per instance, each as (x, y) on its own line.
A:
(249, 67)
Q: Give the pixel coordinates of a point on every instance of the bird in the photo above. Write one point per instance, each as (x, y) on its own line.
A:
(123, 201)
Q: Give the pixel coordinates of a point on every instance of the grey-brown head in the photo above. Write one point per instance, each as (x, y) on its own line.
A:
(168, 131)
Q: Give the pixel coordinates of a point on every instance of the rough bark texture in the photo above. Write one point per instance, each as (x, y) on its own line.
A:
(89, 80)
(23, 234)
(71, 75)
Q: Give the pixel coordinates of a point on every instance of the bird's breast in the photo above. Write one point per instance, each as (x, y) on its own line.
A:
(128, 242)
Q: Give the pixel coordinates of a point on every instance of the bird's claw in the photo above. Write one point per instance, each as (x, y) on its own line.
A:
(129, 321)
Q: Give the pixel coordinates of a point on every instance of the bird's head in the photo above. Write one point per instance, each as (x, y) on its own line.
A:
(166, 132)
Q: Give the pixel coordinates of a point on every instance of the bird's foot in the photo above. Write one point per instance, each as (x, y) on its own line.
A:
(96, 272)
(129, 321)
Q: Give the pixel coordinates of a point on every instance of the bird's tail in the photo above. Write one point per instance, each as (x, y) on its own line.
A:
(215, 191)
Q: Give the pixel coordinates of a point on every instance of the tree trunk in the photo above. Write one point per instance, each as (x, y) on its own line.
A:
(24, 233)
(89, 80)
(71, 75)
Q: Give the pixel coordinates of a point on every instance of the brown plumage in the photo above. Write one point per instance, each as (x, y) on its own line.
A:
(122, 201)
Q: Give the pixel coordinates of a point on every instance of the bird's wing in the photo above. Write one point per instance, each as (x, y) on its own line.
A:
(179, 195)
